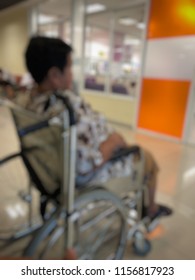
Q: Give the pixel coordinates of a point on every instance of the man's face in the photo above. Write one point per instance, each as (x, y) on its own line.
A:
(61, 80)
(67, 77)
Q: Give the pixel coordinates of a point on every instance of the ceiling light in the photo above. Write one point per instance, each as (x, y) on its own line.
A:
(44, 19)
(131, 41)
(127, 21)
(94, 8)
(141, 25)
(126, 67)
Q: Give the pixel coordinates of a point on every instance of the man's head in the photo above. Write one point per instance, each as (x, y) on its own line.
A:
(49, 62)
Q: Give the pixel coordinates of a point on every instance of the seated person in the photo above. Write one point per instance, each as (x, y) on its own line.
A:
(49, 62)
(6, 85)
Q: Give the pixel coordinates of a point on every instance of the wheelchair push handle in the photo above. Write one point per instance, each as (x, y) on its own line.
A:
(32, 128)
(43, 124)
(69, 107)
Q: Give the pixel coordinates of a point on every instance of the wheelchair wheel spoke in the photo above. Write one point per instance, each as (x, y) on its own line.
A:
(99, 228)
(100, 240)
(97, 219)
(54, 238)
(101, 232)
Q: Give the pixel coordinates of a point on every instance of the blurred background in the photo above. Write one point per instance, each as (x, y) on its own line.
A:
(133, 61)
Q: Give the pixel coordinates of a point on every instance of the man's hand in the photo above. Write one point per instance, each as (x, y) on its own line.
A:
(112, 143)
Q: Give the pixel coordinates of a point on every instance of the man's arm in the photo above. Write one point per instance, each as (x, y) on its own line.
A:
(111, 144)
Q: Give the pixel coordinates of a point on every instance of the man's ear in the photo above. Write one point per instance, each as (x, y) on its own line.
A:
(54, 74)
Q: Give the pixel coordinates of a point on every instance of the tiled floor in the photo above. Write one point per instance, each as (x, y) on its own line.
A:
(176, 188)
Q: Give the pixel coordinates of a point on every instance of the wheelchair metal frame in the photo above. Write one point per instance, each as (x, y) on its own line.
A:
(66, 208)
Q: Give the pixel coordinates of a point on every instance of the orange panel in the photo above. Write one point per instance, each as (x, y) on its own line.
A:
(163, 106)
(171, 18)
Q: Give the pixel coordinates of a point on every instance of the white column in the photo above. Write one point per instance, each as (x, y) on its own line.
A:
(108, 77)
(61, 28)
(33, 20)
(77, 31)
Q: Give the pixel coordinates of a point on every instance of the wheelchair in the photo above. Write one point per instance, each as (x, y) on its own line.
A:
(96, 219)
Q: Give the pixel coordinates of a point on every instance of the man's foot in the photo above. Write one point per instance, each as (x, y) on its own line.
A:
(161, 211)
(70, 254)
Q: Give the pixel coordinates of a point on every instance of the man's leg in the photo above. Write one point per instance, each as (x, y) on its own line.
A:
(151, 172)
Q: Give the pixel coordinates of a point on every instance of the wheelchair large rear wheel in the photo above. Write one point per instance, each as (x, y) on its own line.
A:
(99, 229)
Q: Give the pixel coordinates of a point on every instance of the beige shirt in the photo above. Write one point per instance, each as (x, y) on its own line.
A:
(92, 130)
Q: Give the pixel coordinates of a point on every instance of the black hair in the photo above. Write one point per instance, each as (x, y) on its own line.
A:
(42, 53)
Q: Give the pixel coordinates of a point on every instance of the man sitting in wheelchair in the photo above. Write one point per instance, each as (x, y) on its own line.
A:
(49, 62)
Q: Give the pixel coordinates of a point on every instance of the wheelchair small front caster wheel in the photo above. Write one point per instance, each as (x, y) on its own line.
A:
(141, 246)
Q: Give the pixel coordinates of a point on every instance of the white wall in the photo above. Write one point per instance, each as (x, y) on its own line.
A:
(171, 58)
(13, 39)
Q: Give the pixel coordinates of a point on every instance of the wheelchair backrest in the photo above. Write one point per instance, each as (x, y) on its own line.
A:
(41, 150)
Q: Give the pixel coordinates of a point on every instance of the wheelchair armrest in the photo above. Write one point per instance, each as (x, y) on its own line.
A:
(125, 152)
(83, 181)
(10, 157)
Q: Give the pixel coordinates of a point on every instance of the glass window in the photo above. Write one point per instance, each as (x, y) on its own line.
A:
(113, 47)
(96, 58)
(126, 59)
(50, 30)
(54, 19)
